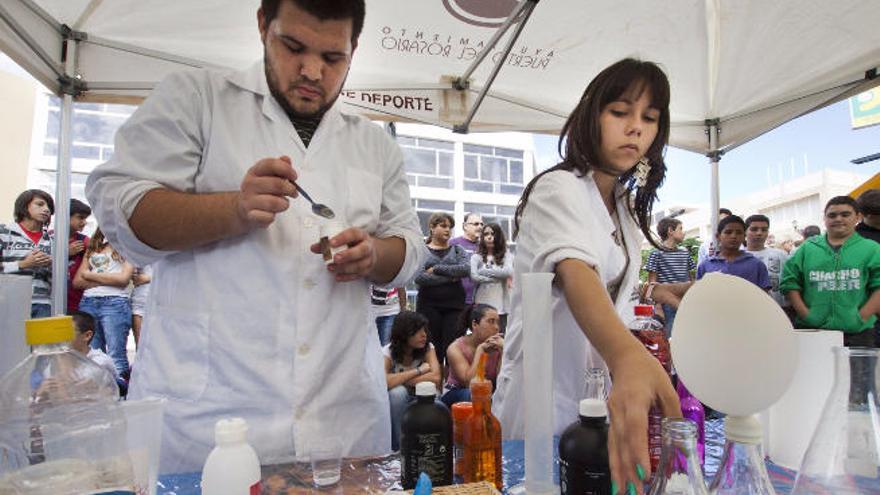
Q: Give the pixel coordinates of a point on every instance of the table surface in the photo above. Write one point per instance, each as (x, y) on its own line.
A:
(382, 474)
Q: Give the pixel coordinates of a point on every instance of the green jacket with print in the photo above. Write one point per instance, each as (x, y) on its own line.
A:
(834, 285)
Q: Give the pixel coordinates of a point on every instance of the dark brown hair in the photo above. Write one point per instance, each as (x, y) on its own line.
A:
(665, 224)
(499, 244)
(406, 324)
(323, 10)
(20, 212)
(435, 219)
(581, 136)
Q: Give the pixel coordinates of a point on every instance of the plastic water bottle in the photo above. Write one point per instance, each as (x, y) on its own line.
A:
(52, 376)
(650, 333)
(583, 452)
(232, 468)
(426, 439)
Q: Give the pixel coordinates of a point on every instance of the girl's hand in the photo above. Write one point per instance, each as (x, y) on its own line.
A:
(639, 381)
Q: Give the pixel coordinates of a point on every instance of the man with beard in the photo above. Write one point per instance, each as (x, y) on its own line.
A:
(245, 317)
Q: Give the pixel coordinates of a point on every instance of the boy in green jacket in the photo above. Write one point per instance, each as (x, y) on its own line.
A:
(832, 280)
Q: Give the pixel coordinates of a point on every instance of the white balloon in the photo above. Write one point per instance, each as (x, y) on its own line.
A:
(733, 345)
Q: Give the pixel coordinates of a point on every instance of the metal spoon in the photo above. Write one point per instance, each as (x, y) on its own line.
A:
(317, 208)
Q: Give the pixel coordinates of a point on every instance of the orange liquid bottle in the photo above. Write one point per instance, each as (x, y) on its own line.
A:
(482, 433)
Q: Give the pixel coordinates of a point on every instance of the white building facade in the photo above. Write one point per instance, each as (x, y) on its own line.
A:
(790, 205)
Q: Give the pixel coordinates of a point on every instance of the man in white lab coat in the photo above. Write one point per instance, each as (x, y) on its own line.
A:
(245, 318)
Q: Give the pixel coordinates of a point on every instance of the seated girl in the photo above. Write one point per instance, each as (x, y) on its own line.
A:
(464, 353)
(409, 359)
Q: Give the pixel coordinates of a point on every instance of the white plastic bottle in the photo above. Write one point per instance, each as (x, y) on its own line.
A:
(232, 468)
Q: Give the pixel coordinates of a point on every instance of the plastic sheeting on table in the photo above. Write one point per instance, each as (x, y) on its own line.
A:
(381, 474)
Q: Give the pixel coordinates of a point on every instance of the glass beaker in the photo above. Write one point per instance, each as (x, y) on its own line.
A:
(844, 453)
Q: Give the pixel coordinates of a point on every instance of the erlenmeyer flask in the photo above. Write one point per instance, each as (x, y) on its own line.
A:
(844, 453)
(679, 471)
(742, 470)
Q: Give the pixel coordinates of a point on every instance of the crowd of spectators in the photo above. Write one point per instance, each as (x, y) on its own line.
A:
(463, 301)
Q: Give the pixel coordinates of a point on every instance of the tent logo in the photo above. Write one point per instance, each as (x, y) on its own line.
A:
(483, 13)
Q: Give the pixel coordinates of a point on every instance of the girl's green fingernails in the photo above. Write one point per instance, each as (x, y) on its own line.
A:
(613, 487)
(630, 488)
(640, 471)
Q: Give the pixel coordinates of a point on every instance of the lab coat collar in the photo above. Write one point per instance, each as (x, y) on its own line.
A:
(253, 79)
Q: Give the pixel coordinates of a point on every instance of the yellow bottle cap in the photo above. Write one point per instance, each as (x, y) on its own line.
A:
(51, 330)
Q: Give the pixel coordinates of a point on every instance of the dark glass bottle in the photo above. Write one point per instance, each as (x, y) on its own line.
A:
(426, 439)
(583, 452)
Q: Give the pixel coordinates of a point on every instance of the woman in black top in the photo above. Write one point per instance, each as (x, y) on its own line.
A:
(441, 295)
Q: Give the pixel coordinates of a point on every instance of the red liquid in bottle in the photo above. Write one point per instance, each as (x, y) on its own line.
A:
(651, 334)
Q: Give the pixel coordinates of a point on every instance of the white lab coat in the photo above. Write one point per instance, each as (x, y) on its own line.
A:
(565, 218)
(255, 326)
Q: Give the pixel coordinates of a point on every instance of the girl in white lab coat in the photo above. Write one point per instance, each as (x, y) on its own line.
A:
(580, 220)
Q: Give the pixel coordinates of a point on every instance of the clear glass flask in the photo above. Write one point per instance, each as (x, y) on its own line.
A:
(844, 453)
(742, 470)
(679, 471)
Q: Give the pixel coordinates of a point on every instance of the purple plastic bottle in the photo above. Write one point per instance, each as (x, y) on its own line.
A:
(692, 409)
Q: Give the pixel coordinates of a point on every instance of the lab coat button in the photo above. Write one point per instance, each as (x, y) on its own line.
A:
(309, 283)
(304, 349)
(308, 222)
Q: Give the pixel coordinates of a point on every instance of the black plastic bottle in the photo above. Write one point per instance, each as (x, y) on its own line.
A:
(583, 452)
(426, 439)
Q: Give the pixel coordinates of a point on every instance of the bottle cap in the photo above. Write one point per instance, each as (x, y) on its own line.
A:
(53, 330)
(644, 310)
(424, 389)
(462, 410)
(744, 429)
(230, 430)
(592, 408)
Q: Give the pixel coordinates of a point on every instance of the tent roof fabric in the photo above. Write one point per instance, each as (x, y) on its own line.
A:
(749, 65)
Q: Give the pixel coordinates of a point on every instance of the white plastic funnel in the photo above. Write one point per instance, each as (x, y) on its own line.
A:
(733, 345)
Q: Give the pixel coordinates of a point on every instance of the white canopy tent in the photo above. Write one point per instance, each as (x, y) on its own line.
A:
(738, 68)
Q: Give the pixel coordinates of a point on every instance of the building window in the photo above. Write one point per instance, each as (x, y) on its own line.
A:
(500, 214)
(425, 207)
(93, 128)
(492, 169)
(428, 162)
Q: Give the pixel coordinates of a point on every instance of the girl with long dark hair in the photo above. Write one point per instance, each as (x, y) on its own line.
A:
(480, 327)
(491, 269)
(410, 358)
(580, 220)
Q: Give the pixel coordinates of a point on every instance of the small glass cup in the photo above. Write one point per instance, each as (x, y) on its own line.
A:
(326, 458)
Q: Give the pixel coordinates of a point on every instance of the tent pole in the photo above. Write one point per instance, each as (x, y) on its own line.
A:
(29, 40)
(713, 129)
(62, 182)
(524, 12)
(461, 82)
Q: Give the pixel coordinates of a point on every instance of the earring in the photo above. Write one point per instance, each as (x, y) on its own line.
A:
(643, 168)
